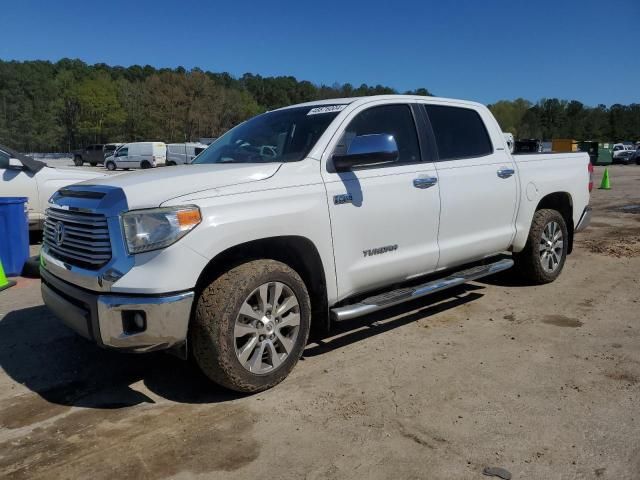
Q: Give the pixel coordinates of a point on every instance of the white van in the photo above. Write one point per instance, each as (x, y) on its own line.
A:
(178, 153)
(511, 142)
(137, 155)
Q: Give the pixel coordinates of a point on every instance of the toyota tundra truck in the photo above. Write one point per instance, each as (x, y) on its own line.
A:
(311, 214)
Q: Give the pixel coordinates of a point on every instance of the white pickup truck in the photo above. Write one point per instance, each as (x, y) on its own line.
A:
(358, 204)
(22, 176)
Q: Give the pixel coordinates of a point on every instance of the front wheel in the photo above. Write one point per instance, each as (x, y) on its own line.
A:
(111, 166)
(77, 161)
(545, 252)
(251, 325)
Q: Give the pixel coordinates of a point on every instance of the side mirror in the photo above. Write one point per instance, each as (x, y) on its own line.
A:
(367, 150)
(15, 163)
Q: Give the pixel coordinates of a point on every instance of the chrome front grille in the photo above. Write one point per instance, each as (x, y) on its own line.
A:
(77, 238)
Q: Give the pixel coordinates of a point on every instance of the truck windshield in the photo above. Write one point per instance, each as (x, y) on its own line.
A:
(279, 136)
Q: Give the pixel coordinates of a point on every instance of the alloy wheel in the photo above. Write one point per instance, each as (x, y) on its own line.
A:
(551, 247)
(266, 328)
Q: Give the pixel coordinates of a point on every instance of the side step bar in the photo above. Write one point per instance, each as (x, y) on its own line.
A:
(401, 295)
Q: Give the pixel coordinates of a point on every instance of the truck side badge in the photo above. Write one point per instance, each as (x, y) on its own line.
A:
(380, 250)
(344, 198)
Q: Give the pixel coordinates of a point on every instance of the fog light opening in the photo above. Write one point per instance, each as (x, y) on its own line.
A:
(134, 321)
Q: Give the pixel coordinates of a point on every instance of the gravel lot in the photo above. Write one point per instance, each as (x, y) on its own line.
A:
(543, 381)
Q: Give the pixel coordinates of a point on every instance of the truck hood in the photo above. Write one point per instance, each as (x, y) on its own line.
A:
(150, 188)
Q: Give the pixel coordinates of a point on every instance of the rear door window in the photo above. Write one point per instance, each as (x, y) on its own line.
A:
(459, 132)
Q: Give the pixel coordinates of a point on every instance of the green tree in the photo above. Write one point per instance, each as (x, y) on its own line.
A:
(101, 113)
(510, 114)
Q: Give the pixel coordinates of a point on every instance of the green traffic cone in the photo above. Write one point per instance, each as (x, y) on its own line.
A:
(4, 281)
(606, 183)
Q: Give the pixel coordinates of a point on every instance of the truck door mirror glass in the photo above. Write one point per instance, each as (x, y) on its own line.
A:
(15, 164)
(367, 150)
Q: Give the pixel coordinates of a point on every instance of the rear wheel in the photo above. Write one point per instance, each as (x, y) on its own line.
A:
(110, 166)
(170, 163)
(145, 165)
(251, 325)
(77, 161)
(93, 164)
(545, 252)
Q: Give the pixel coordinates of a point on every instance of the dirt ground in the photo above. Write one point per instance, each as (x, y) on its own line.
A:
(543, 381)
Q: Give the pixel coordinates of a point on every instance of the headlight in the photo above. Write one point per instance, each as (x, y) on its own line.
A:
(146, 230)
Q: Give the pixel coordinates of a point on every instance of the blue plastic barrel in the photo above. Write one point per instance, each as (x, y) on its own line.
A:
(14, 234)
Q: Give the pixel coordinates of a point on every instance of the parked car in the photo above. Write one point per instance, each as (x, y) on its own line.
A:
(181, 153)
(622, 153)
(22, 176)
(91, 154)
(109, 148)
(367, 203)
(137, 155)
(623, 157)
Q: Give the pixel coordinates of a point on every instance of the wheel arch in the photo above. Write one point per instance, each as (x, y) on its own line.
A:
(563, 203)
(298, 252)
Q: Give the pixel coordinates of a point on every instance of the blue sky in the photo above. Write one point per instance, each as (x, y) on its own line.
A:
(481, 50)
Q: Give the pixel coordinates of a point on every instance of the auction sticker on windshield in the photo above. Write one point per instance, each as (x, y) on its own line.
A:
(327, 109)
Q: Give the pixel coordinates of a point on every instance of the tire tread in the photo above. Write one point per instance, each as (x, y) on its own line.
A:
(527, 262)
(216, 308)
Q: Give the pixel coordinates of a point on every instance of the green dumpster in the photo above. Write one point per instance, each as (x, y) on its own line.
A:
(591, 148)
(605, 153)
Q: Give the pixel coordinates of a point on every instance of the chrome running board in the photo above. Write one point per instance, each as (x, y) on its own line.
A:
(401, 295)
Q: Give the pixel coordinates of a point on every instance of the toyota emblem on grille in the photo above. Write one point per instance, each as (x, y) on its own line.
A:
(59, 233)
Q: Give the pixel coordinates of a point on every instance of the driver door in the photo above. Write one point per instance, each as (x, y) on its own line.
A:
(384, 217)
(122, 157)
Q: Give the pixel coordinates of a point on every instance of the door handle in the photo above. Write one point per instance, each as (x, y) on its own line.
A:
(424, 182)
(505, 172)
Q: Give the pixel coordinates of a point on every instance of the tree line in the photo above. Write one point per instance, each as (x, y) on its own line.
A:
(56, 107)
(553, 118)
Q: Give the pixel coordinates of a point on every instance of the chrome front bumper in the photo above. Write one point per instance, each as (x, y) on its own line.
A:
(106, 318)
(585, 219)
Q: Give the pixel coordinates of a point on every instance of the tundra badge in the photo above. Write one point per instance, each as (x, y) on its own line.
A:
(379, 250)
(344, 198)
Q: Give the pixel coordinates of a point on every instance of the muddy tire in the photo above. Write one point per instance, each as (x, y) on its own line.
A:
(251, 325)
(544, 255)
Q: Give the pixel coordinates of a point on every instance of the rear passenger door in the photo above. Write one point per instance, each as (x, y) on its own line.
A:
(384, 217)
(478, 185)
